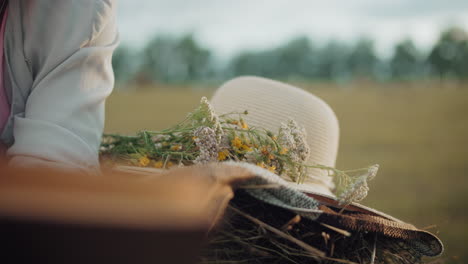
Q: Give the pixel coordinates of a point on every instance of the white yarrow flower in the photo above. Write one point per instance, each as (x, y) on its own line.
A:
(205, 139)
(293, 137)
(358, 190)
(210, 117)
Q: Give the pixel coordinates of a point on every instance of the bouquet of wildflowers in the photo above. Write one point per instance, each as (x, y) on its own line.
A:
(205, 137)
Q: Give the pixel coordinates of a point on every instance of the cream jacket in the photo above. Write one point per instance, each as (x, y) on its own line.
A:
(58, 74)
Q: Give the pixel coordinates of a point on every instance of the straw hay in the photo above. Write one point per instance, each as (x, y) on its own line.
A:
(255, 232)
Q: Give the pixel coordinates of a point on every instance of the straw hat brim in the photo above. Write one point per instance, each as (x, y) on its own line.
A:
(359, 218)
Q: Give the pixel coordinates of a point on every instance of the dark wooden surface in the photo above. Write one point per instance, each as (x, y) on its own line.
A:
(28, 241)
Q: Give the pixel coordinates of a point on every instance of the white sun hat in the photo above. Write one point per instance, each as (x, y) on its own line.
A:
(271, 103)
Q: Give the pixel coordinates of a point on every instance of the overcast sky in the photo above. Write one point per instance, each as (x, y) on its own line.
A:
(228, 26)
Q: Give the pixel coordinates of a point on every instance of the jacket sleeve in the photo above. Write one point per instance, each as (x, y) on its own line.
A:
(68, 46)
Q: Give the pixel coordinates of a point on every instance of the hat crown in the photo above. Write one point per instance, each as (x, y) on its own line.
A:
(271, 103)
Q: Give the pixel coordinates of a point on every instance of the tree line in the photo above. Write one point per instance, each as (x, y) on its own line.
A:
(170, 59)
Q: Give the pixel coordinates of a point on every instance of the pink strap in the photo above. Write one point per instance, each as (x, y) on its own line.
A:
(4, 105)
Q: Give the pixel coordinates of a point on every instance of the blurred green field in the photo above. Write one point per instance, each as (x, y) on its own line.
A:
(417, 132)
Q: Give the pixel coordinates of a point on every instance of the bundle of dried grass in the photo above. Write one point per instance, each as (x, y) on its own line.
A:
(255, 232)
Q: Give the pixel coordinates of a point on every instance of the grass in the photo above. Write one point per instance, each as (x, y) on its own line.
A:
(417, 132)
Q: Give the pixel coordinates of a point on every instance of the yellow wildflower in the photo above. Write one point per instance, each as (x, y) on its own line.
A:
(222, 155)
(246, 147)
(158, 164)
(243, 124)
(272, 168)
(265, 151)
(236, 142)
(169, 164)
(261, 164)
(283, 151)
(144, 161)
(176, 147)
(271, 156)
